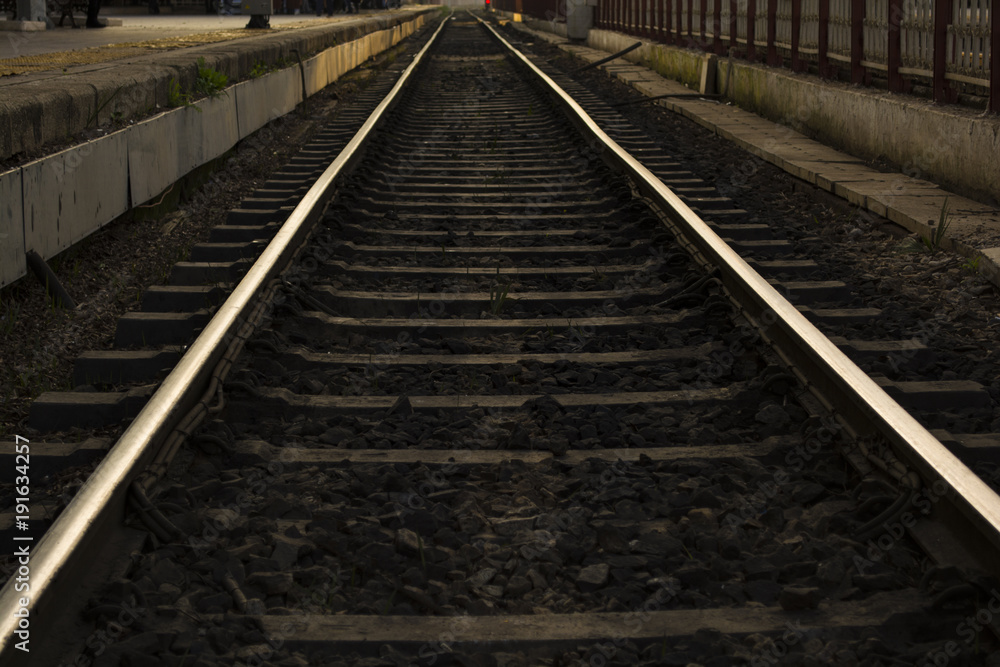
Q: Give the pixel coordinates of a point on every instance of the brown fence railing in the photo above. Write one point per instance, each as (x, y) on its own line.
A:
(943, 45)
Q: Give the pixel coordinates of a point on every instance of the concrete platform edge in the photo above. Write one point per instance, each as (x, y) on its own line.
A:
(158, 151)
(22, 26)
(48, 107)
(905, 199)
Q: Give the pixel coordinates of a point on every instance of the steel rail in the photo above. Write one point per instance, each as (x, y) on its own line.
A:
(826, 371)
(58, 560)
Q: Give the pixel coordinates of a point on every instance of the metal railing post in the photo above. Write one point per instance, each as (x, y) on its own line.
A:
(796, 31)
(823, 40)
(773, 59)
(702, 10)
(690, 25)
(943, 93)
(717, 30)
(680, 27)
(857, 41)
(894, 56)
(732, 24)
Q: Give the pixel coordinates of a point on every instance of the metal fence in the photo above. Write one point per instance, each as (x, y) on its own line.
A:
(944, 44)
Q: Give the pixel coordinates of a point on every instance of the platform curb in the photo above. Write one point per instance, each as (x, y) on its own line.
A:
(47, 107)
(52, 203)
(22, 26)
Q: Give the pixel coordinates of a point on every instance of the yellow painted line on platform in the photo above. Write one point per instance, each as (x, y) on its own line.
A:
(108, 53)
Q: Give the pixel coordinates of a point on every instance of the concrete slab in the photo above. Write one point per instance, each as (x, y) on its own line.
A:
(12, 262)
(451, 327)
(251, 452)
(356, 53)
(113, 367)
(22, 26)
(332, 59)
(373, 272)
(317, 74)
(343, 56)
(62, 410)
(302, 359)
(942, 395)
(828, 175)
(142, 329)
(209, 134)
(201, 273)
(224, 252)
(972, 447)
(71, 194)
(347, 55)
(896, 201)
(182, 298)
(865, 182)
(544, 635)
(279, 399)
(282, 90)
(154, 160)
(400, 304)
(917, 211)
(855, 185)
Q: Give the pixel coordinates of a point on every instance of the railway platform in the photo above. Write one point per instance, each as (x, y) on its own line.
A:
(119, 98)
(49, 77)
(65, 46)
(972, 228)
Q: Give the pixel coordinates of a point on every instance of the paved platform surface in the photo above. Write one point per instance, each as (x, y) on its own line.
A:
(79, 82)
(913, 203)
(25, 52)
(82, 146)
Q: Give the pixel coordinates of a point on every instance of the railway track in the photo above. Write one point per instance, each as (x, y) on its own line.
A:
(511, 404)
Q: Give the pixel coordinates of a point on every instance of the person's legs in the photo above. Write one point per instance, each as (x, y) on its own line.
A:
(93, 7)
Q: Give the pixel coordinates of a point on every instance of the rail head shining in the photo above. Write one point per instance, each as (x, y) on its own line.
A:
(854, 395)
(56, 561)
